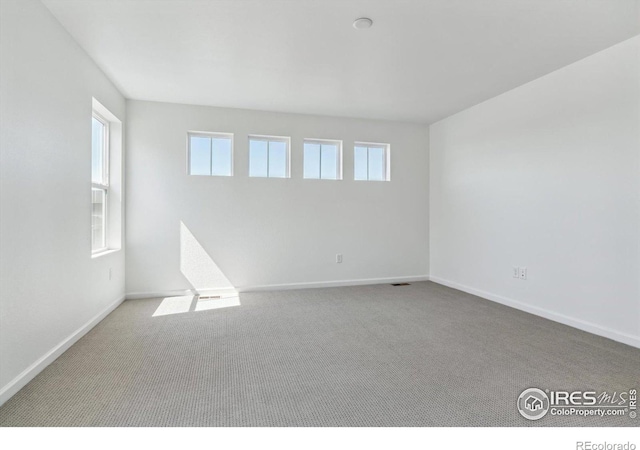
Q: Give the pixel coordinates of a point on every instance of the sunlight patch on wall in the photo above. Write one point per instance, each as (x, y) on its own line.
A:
(197, 266)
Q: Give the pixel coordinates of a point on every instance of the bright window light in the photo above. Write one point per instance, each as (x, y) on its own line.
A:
(371, 162)
(99, 182)
(322, 159)
(211, 154)
(269, 156)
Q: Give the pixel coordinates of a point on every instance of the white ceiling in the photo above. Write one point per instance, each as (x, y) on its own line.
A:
(422, 60)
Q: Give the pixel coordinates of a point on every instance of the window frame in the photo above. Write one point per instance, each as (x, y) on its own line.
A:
(265, 138)
(211, 135)
(103, 186)
(320, 142)
(386, 158)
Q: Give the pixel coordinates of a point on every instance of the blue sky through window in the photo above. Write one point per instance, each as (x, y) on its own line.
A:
(258, 163)
(376, 163)
(277, 159)
(268, 158)
(311, 160)
(370, 162)
(98, 130)
(210, 155)
(360, 163)
(321, 160)
(221, 157)
(200, 155)
(329, 161)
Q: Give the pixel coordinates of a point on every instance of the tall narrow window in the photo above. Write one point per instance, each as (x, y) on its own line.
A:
(107, 212)
(211, 154)
(322, 159)
(99, 182)
(371, 162)
(269, 156)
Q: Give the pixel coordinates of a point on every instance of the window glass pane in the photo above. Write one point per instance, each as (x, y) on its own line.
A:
(376, 163)
(360, 163)
(329, 170)
(98, 216)
(200, 155)
(221, 151)
(97, 151)
(257, 158)
(311, 160)
(277, 159)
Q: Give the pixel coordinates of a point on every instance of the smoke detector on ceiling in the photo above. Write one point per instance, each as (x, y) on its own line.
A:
(362, 23)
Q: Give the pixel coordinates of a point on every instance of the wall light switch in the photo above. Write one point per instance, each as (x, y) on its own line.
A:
(339, 258)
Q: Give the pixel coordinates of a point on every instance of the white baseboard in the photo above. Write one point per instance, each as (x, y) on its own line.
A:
(180, 293)
(7, 391)
(589, 327)
(280, 287)
(336, 283)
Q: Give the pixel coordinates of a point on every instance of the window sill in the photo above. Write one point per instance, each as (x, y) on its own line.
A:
(104, 252)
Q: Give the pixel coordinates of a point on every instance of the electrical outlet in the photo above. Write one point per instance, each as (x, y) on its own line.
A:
(516, 272)
(339, 258)
(523, 273)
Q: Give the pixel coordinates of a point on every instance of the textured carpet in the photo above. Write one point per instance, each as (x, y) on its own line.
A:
(418, 355)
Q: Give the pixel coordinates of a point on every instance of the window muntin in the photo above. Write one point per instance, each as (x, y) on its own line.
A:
(268, 156)
(322, 159)
(371, 162)
(210, 154)
(99, 182)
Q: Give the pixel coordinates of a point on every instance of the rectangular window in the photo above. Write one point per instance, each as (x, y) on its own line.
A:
(269, 156)
(322, 159)
(211, 154)
(107, 210)
(99, 182)
(371, 161)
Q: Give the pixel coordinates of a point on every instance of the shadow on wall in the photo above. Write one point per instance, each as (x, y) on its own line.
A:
(211, 288)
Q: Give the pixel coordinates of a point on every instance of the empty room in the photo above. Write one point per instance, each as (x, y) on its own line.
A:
(321, 213)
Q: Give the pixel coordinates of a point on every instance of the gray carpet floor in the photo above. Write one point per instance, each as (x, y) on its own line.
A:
(418, 355)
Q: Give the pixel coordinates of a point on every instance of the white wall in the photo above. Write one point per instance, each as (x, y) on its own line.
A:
(262, 231)
(547, 176)
(51, 288)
